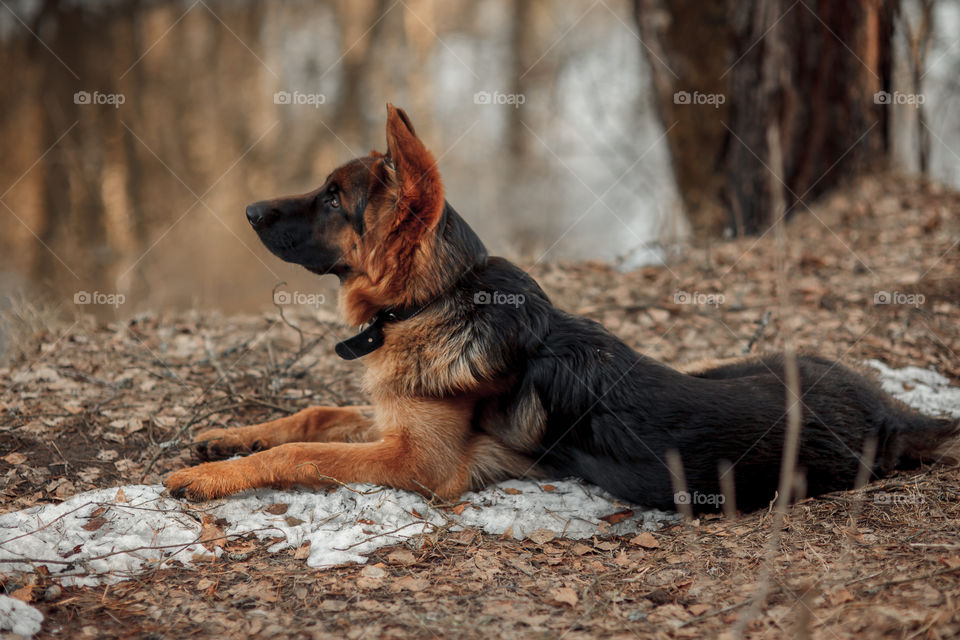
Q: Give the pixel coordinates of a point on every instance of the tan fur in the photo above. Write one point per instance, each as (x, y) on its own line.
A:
(422, 447)
(424, 381)
(705, 364)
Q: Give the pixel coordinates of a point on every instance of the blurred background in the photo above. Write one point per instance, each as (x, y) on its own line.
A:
(134, 133)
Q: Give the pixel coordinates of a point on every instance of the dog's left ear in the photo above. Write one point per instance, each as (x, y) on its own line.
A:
(420, 191)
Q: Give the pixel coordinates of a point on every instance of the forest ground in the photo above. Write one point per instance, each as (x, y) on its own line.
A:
(88, 405)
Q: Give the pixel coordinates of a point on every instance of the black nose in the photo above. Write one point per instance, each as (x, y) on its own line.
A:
(256, 214)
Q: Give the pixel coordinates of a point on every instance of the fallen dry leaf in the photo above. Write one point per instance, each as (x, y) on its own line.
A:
(373, 571)
(606, 545)
(402, 556)
(411, 583)
(564, 595)
(302, 552)
(645, 540)
(211, 534)
(15, 458)
(619, 516)
(840, 595)
(541, 536)
(24, 593)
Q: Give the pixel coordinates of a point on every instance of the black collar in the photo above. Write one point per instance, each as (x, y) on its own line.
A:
(371, 338)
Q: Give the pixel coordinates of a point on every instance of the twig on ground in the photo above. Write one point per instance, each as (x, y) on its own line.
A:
(217, 365)
(925, 576)
(761, 325)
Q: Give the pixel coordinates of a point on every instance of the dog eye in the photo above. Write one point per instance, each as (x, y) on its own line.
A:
(334, 201)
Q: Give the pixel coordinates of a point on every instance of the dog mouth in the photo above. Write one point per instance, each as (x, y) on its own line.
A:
(282, 243)
(291, 247)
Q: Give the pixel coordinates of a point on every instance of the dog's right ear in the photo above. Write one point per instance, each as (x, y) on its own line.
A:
(419, 189)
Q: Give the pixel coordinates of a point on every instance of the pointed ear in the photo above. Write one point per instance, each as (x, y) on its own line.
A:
(419, 189)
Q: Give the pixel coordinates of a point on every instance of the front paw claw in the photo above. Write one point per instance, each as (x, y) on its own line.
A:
(179, 493)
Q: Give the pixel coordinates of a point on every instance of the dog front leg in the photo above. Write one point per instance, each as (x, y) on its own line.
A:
(316, 424)
(424, 447)
(308, 464)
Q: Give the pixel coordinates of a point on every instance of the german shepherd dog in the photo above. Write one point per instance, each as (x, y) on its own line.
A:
(467, 390)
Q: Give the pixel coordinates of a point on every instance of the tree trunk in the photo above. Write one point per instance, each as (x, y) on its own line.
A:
(688, 45)
(811, 69)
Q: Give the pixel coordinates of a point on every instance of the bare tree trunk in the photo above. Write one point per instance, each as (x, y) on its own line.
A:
(821, 98)
(522, 38)
(358, 19)
(56, 108)
(919, 37)
(688, 46)
(133, 165)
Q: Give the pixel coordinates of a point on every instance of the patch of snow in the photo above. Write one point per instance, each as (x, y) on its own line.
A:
(923, 389)
(18, 617)
(94, 536)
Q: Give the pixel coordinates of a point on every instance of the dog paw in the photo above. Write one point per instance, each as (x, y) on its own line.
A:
(208, 481)
(216, 444)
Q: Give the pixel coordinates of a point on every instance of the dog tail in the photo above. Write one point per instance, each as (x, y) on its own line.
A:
(921, 438)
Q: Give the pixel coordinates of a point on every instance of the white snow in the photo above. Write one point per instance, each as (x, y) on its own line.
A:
(141, 528)
(341, 525)
(19, 617)
(922, 389)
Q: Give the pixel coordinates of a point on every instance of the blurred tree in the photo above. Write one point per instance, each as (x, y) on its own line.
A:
(811, 68)
(73, 211)
(919, 36)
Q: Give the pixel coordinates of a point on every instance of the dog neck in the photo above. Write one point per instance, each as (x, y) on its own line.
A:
(451, 251)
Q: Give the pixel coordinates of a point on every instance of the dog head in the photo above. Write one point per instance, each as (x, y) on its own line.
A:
(375, 223)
